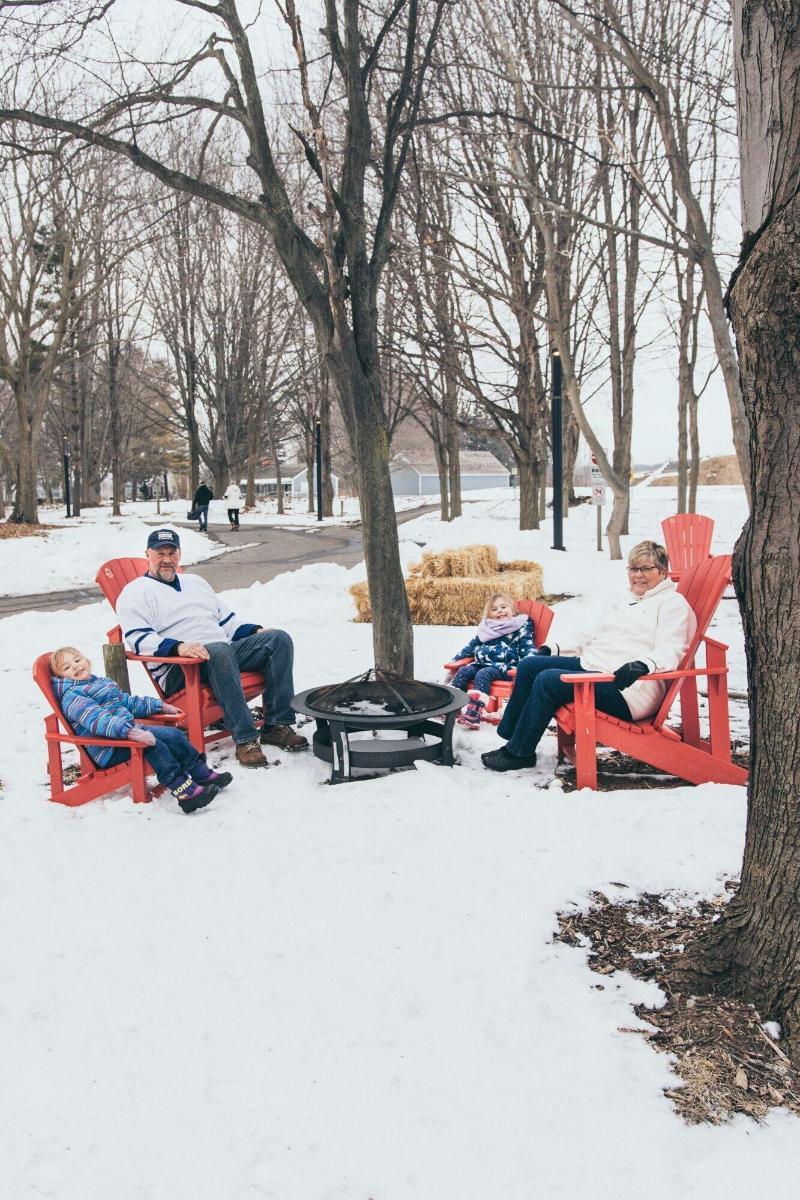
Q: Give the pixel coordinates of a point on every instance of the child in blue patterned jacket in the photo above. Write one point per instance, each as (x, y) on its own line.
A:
(96, 707)
(503, 638)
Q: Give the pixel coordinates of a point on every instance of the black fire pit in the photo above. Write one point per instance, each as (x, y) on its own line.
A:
(377, 702)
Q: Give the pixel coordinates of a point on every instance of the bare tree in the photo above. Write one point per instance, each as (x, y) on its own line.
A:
(335, 262)
(42, 199)
(753, 951)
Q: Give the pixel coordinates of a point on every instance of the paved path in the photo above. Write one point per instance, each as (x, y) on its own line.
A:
(274, 551)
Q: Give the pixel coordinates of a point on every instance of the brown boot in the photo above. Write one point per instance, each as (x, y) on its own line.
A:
(249, 755)
(284, 737)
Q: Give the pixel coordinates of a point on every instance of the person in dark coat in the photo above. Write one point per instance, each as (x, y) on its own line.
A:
(202, 498)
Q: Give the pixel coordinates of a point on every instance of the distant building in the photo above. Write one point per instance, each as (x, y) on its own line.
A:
(418, 475)
(294, 480)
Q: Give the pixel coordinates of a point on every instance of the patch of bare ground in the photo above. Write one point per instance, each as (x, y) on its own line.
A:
(616, 772)
(721, 469)
(7, 530)
(724, 1060)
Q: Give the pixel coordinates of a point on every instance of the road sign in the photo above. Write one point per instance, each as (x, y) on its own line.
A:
(598, 496)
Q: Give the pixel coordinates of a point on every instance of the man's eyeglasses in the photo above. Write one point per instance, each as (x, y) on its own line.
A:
(642, 570)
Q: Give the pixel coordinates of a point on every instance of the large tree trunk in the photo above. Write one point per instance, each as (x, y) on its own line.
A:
(392, 632)
(754, 951)
(25, 510)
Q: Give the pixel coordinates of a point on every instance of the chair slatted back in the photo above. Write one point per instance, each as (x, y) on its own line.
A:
(116, 573)
(687, 537)
(702, 586)
(541, 615)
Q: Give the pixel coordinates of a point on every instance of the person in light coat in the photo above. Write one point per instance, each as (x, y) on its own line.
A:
(233, 498)
(647, 628)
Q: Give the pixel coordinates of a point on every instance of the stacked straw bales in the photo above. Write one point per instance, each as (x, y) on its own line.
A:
(451, 587)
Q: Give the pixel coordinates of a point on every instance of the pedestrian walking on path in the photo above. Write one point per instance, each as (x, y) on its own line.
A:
(233, 498)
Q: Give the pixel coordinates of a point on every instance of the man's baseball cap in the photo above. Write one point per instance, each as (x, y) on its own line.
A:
(163, 537)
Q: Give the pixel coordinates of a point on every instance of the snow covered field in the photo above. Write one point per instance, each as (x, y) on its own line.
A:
(314, 993)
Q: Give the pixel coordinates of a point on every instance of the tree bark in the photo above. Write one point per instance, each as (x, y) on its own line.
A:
(753, 952)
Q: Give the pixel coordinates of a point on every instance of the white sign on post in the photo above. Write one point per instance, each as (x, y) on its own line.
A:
(598, 499)
(598, 496)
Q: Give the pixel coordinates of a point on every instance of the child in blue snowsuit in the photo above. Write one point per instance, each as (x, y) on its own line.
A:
(503, 638)
(95, 706)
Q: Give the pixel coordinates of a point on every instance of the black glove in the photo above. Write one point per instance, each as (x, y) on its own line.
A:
(628, 673)
(544, 650)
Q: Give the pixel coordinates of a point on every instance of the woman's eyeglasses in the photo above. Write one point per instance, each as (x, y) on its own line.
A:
(642, 570)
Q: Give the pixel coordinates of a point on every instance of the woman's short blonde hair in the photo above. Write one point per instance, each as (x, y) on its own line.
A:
(58, 656)
(499, 596)
(652, 551)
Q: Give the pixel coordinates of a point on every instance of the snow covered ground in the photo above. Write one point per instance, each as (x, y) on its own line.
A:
(314, 993)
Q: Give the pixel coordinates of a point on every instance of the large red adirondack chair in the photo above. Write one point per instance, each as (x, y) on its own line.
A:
(685, 754)
(687, 538)
(196, 699)
(93, 781)
(542, 617)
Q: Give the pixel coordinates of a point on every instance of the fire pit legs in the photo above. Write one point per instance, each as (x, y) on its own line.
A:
(347, 714)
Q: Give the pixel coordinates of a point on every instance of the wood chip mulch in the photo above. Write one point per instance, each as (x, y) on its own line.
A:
(7, 530)
(725, 1061)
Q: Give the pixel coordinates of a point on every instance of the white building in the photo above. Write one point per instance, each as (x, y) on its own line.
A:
(294, 480)
(418, 475)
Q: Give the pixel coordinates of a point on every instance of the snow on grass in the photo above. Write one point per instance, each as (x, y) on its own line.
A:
(315, 993)
(68, 557)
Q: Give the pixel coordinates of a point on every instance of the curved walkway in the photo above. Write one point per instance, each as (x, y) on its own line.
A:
(269, 552)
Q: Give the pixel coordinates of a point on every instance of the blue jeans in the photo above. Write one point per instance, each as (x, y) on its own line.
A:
(172, 758)
(538, 694)
(272, 653)
(481, 676)
(202, 517)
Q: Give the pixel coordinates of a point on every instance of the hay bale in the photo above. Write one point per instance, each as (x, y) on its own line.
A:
(448, 601)
(463, 561)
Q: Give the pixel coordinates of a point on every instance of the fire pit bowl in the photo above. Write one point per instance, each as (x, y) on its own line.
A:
(377, 702)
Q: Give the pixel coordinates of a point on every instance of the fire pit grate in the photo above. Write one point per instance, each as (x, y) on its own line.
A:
(380, 701)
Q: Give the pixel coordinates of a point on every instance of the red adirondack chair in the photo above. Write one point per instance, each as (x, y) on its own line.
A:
(685, 754)
(542, 617)
(196, 699)
(93, 781)
(687, 537)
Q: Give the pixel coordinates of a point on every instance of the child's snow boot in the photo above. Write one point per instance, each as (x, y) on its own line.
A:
(191, 795)
(202, 773)
(472, 714)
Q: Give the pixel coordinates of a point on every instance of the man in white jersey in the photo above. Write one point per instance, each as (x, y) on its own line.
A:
(165, 614)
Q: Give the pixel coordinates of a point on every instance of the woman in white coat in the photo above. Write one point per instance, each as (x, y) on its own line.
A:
(233, 498)
(647, 628)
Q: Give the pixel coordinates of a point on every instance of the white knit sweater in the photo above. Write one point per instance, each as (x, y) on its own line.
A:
(655, 628)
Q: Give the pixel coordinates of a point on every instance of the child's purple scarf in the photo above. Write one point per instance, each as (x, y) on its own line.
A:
(489, 631)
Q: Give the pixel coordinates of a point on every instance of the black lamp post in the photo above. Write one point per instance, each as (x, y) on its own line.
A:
(67, 493)
(557, 442)
(318, 456)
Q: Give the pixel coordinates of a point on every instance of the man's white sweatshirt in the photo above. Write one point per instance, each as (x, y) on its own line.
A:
(655, 629)
(155, 617)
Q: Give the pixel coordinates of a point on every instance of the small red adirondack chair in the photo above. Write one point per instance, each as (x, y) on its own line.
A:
(685, 754)
(687, 538)
(93, 781)
(542, 617)
(196, 699)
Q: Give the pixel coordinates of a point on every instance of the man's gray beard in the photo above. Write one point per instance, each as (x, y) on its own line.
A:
(160, 576)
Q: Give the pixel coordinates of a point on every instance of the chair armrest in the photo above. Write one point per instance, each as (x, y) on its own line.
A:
(458, 662)
(162, 718)
(73, 740)
(155, 658)
(685, 674)
(592, 679)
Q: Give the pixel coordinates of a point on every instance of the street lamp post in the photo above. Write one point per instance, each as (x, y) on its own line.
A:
(557, 442)
(318, 456)
(67, 493)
